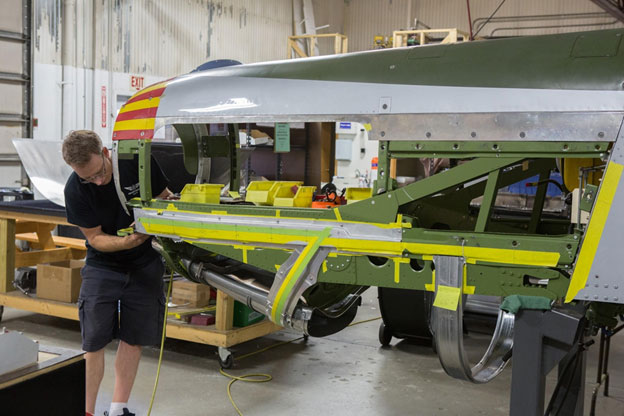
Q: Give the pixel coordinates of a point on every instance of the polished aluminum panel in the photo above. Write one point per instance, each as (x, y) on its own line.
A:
(209, 97)
(44, 164)
(338, 229)
(447, 326)
(605, 282)
(398, 112)
(520, 127)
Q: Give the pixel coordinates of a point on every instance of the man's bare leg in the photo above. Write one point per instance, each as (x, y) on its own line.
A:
(93, 378)
(126, 365)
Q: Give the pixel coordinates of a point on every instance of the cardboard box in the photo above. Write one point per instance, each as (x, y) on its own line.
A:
(59, 281)
(191, 294)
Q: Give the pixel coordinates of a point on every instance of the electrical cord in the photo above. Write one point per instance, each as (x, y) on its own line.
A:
(573, 363)
(162, 344)
(265, 377)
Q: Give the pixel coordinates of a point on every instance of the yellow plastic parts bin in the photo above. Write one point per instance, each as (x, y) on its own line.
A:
(206, 193)
(358, 194)
(263, 192)
(258, 192)
(302, 199)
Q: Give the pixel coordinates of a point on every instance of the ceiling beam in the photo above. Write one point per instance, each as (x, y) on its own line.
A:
(614, 7)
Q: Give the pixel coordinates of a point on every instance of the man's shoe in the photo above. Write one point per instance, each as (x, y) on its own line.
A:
(126, 412)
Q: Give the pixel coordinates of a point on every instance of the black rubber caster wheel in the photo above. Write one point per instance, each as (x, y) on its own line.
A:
(385, 335)
(227, 363)
(305, 338)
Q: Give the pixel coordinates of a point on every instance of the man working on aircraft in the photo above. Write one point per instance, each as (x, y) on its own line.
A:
(121, 294)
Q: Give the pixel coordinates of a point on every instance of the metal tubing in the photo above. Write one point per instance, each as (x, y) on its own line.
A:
(250, 296)
(10, 77)
(479, 22)
(551, 27)
(15, 36)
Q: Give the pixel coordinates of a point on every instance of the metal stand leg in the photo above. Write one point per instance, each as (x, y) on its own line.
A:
(542, 339)
(603, 365)
(606, 364)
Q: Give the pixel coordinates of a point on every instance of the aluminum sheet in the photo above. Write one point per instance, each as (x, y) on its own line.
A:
(44, 164)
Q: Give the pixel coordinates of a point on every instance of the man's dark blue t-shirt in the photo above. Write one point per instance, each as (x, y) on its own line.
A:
(89, 205)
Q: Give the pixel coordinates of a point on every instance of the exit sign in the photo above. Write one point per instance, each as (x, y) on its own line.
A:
(137, 82)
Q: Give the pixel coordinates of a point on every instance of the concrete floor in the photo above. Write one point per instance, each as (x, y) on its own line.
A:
(344, 374)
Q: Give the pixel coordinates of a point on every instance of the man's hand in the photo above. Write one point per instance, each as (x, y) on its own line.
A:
(111, 243)
(134, 240)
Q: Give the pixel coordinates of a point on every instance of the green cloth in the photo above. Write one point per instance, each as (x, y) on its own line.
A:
(514, 303)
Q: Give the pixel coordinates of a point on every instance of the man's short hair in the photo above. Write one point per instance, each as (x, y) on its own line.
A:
(79, 146)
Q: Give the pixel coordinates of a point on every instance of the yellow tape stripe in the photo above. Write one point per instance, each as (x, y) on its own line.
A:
(595, 227)
(139, 124)
(394, 249)
(397, 267)
(244, 250)
(337, 213)
(280, 292)
(289, 276)
(140, 105)
(431, 286)
(469, 290)
(152, 88)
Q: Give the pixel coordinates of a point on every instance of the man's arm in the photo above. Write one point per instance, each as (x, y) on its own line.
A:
(107, 243)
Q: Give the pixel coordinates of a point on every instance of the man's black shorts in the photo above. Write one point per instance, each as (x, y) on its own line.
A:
(138, 319)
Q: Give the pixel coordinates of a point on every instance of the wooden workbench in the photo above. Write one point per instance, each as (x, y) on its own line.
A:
(34, 227)
(33, 221)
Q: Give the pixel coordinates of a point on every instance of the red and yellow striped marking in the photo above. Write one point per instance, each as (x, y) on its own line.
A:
(137, 117)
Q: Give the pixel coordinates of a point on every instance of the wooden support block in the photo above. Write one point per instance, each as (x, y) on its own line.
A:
(32, 258)
(22, 226)
(190, 294)
(7, 254)
(44, 235)
(75, 243)
(225, 312)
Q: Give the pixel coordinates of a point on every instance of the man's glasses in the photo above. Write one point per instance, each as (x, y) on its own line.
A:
(101, 173)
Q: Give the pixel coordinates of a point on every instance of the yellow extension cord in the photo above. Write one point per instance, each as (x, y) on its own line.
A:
(261, 378)
(267, 377)
(162, 344)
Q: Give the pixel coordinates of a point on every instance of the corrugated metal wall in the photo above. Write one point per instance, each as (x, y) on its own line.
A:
(364, 19)
(165, 37)
(90, 56)
(328, 13)
(527, 17)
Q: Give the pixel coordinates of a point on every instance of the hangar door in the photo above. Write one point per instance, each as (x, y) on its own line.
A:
(15, 86)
